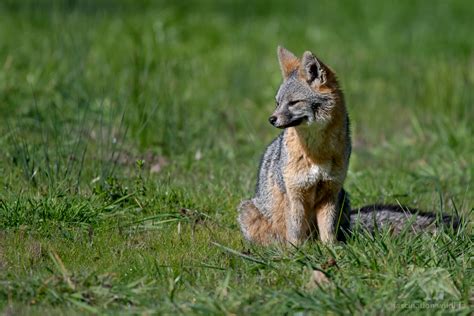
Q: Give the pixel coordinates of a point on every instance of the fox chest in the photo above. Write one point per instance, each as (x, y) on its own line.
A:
(308, 177)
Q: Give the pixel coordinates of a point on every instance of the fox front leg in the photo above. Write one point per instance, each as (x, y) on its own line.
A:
(326, 219)
(295, 222)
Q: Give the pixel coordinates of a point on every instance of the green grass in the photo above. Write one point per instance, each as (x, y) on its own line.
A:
(96, 96)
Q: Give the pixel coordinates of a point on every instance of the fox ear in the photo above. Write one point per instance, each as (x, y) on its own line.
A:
(288, 61)
(313, 70)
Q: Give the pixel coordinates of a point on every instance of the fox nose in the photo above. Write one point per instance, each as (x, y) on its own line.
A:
(272, 119)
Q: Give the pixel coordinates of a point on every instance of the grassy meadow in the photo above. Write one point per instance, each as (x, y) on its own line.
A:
(130, 131)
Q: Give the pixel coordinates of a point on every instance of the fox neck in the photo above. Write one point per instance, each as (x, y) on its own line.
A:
(309, 141)
(321, 142)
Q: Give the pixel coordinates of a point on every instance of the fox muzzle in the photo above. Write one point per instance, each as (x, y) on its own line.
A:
(284, 121)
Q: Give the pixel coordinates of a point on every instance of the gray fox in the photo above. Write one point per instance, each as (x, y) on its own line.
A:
(301, 174)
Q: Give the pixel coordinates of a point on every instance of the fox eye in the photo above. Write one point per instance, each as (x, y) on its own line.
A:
(294, 102)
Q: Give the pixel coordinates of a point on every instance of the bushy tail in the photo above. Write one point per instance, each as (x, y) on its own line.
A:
(396, 218)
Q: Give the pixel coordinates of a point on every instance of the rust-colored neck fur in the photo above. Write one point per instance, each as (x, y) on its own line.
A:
(322, 143)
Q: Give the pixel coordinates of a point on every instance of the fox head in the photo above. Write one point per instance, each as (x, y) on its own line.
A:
(308, 93)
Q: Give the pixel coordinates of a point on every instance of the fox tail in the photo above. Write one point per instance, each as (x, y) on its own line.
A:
(396, 218)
